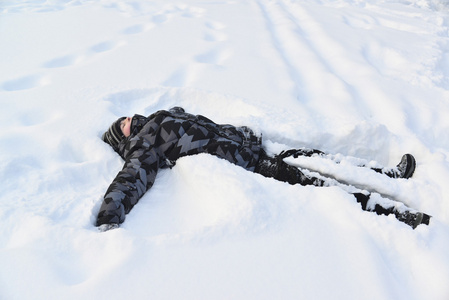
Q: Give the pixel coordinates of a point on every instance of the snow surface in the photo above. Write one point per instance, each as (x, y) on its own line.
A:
(363, 79)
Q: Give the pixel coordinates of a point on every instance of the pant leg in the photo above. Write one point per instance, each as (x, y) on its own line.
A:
(307, 152)
(409, 217)
(392, 173)
(275, 167)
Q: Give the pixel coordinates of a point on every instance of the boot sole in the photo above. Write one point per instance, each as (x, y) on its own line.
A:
(412, 163)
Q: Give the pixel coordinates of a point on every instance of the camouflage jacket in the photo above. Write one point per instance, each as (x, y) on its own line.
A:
(158, 141)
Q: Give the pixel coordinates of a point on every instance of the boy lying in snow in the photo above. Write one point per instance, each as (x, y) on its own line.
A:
(150, 143)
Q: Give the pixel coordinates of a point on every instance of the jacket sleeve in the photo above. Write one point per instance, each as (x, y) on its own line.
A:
(136, 177)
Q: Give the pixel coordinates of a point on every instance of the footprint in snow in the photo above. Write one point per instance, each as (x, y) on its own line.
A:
(179, 78)
(213, 57)
(63, 61)
(25, 83)
(193, 12)
(214, 32)
(360, 21)
(104, 46)
(215, 25)
(135, 29)
(122, 101)
(215, 36)
(159, 18)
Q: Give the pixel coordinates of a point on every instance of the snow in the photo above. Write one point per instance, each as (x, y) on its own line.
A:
(366, 81)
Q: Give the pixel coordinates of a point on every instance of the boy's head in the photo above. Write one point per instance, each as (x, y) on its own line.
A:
(114, 135)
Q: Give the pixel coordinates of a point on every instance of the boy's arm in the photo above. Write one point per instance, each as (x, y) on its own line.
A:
(130, 184)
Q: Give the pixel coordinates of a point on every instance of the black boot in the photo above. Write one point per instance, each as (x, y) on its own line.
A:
(407, 166)
(413, 219)
(404, 169)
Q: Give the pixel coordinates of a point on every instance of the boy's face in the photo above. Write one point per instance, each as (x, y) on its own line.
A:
(125, 126)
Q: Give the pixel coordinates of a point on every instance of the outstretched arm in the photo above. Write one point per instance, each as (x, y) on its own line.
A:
(136, 177)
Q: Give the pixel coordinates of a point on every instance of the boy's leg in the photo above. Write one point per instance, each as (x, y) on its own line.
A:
(404, 169)
(275, 167)
(408, 217)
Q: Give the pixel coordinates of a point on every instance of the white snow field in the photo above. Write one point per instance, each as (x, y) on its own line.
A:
(366, 81)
